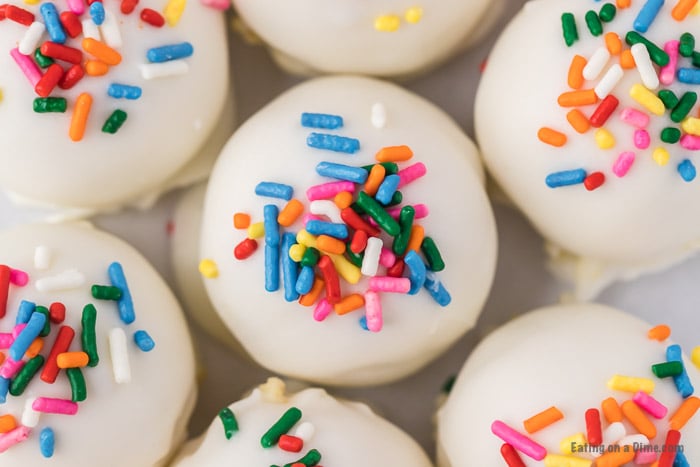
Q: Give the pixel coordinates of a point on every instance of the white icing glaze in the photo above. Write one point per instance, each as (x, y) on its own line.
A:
(629, 225)
(138, 423)
(164, 130)
(313, 36)
(559, 356)
(345, 433)
(271, 146)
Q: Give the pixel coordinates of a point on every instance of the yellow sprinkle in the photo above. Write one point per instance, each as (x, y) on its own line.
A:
(604, 139)
(387, 23)
(661, 156)
(296, 252)
(695, 10)
(346, 269)
(575, 440)
(553, 460)
(0, 94)
(691, 125)
(306, 239)
(208, 269)
(647, 99)
(631, 384)
(173, 11)
(31, 2)
(695, 356)
(256, 230)
(413, 14)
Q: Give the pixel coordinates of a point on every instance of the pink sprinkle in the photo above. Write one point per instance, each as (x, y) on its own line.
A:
(390, 284)
(623, 163)
(642, 140)
(311, 217)
(221, 5)
(634, 117)
(16, 436)
(6, 340)
(520, 442)
(387, 258)
(10, 368)
(18, 329)
(373, 311)
(328, 190)
(411, 173)
(51, 405)
(322, 310)
(668, 73)
(76, 6)
(27, 65)
(690, 142)
(644, 457)
(653, 407)
(19, 278)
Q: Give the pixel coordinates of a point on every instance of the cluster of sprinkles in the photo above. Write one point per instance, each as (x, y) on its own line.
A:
(22, 362)
(60, 48)
(594, 81)
(355, 226)
(624, 433)
(392, 22)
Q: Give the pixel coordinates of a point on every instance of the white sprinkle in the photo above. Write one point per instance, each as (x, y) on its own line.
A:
(305, 431)
(120, 356)
(634, 440)
(646, 69)
(70, 279)
(110, 31)
(31, 38)
(371, 260)
(163, 70)
(606, 85)
(378, 115)
(91, 30)
(596, 63)
(325, 207)
(614, 433)
(42, 257)
(30, 417)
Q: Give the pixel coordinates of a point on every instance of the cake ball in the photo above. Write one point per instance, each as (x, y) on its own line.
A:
(310, 428)
(97, 364)
(347, 238)
(573, 385)
(601, 137)
(381, 38)
(105, 104)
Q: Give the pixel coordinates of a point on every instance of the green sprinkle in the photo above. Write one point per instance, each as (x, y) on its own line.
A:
(377, 212)
(406, 217)
(355, 259)
(25, 375)
(608, 12)
(281, 427)
(42, 60)
(396, 198)
(50, 104)
(432, 254)
(593, 23)
(657, 55)
(670, 135)
(391, 168)
(114, 122)
(106, 292)
(684, 106)
(77, 384)
(667, 369)
(311, 458)
(47, 324)
(687, 45)
(448, 384)
(229, 420)
(88, 335)
(358, 209)
(696, 59)
(669, 98)
(311, 257)
(568, 25)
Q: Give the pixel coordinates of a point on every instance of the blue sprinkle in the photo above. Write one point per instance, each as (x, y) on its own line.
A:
(25, 312)
(4, 388)
(123, 91)
(144, 341)
(169, 52)
(325, 121)
(272, 268)
(25, 338)
(125, 303)
(437, 289)
(687, 170)
(272, 231)
(647, 15)
(565, 178)
(417, 271)
(305, 281)
(680, 460)
(54, 28)
(289, 267)
(387, 189)
(97, 13)
(342, 172)
(46, 440)
(363, 323)
(316, 227)
(682, 381)
(333, 143)
(274, 190)
(689, 75)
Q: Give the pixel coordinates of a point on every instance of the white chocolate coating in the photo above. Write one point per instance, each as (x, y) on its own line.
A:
(559, 356)
(165, 129)
(136, 423)
(345, 433)
(271, 146)
(629, 225)
(314, 36)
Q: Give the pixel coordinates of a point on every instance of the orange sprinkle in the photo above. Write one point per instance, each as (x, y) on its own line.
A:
(394, 154)
(375, 178)
(542, 420)
(613, 43)
(290, 212)
(623, 3)
(685, 412)
(552, 137)
(578, 63)
(578, 98)
(616, 458)
(626, 59)
(2, 358)
(241, 220)
(343, 199)
(611, 410)
(34, 348)
(659, 333)
(415, 240)
(72, 359)
(682, 8)
(350, 303)
(329, 244)
(578, 121)
(311, 297)
(7, 423)
(96, 68)
(81, 112)
(102, 51)
(638, 419)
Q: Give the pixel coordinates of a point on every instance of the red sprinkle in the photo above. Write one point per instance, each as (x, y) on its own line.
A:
(57, 312)
(128, 6)
(290, 443)
(71, 23)
(330, 277)
(61, 52)
(5, 273)
(511, 456)
(246, 248)
(359, 242)
(49, 81)
(353, 219)
(3, 7)
(152, 17)
(63, 339)
(594, 431)
(594, 180)
(19, 15)
(396, 270)
(90, 2)
(606, 107)
(71, 77)
(669, 455)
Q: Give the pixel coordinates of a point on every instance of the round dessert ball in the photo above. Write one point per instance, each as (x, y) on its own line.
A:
(381, 38)
(580, 381)
(273, 427)
(97, 365)
(586, 116)
(347, 238)
(104, 115)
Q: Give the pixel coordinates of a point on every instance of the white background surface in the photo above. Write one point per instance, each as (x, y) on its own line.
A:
(522, 281)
